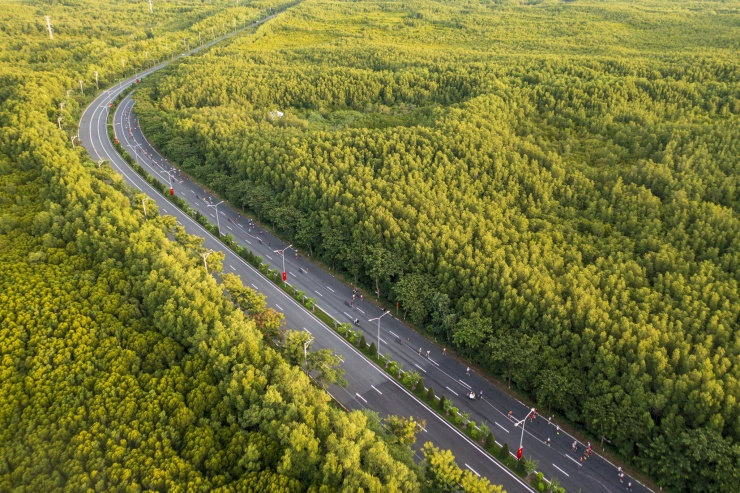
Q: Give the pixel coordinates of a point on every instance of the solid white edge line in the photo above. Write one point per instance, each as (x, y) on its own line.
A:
(256, 272)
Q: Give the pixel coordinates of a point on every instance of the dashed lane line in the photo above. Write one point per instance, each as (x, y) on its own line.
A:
(419, 367)
(556, 467)
(330, 289)
(474, 471)
(362, 398)
(279, 307)
(452, 391)
(507, 431)
(376, 390)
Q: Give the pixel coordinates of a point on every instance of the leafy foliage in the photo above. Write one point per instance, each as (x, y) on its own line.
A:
(562, 207)
(124, 366)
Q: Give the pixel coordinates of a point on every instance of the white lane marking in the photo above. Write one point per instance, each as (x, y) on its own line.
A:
(359, 310)
(330, 289)
(292, 274)
(240, 225)
(381, 340)
(453, 429)
(229, 227)
(279, 307)
(507, 431)
(363, 399)
(165, 210)
(425, 430)
(419, 367)
(318, 293)
(474, 471)
(232, 267)
(248, 241)
(468, 386)
(347, 315)
(211, 213)
(306, 329)
(434, 362)
(393, 334)
(268, 256)
(556, 467)
(193, 192)
(255, 287)
(451, 390)
(376, 390)
(571, 458)
(223, 213)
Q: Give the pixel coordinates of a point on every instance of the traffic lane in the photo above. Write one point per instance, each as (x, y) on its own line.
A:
(457, 383)
(370, 387)
(279, 307)
(226, 215)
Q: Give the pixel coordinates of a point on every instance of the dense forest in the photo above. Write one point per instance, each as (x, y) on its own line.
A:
(552, 187)
(125, 366)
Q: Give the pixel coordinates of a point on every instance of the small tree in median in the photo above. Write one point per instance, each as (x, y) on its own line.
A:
(490, 441)
(430, 394)
(363, 343)
(504, 454)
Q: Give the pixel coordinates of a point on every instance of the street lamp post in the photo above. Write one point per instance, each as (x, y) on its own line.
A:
(136, 145)
(305, 353)
(143, 204)
(205, 256)
(521, 440)
(170, 173)
(378, 319)
(218, 224)
(282, 253)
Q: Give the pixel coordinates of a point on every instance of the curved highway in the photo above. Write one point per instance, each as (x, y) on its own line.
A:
(368, 387)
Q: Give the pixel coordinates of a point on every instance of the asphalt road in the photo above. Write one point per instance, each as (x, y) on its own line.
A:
(368, 387)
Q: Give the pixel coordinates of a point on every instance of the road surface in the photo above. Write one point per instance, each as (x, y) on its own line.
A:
(368, 387)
